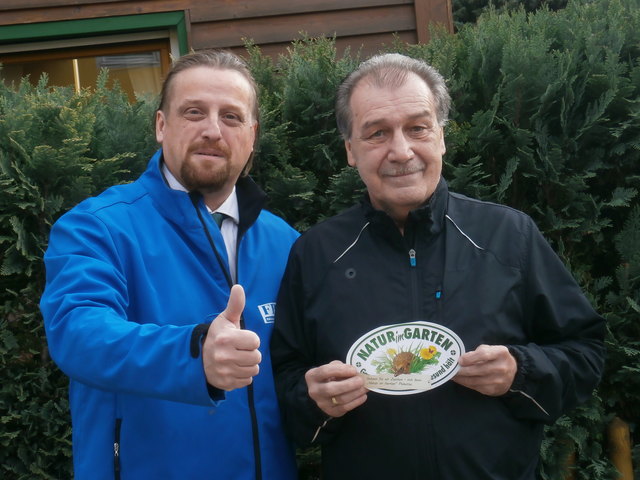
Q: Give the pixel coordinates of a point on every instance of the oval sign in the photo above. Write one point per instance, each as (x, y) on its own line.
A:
(406, 358)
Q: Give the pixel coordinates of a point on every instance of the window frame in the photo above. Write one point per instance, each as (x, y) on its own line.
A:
(97, 31)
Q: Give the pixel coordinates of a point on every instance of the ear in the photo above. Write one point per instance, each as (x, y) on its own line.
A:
(443, 146)
(350, 160)
(160, 123)
(255, 129)
(255, 132)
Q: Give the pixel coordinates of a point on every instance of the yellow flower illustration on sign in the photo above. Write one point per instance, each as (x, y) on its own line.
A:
(428, 353)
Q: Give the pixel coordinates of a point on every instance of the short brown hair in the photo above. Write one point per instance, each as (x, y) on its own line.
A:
(220, 59)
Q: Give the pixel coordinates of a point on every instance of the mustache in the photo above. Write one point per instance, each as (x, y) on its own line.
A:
(402, 170)
(218, 147)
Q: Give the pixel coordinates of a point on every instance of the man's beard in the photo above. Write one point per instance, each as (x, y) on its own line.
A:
(204, 176)
(203, 179)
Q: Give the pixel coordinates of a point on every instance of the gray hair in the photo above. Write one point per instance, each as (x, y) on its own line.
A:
(390, 70)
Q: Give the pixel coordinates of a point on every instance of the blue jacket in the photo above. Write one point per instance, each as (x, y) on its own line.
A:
(130, 274)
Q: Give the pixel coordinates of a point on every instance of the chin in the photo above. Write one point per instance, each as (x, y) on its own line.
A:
(212, 184)
(204, 180)
(411, 196)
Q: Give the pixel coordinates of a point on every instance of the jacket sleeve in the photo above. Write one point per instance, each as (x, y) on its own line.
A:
(563, 361)
(292, 354)
(90, 337)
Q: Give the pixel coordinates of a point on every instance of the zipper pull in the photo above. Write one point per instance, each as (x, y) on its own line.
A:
(116, 449)
(116, 459)
(412, 257)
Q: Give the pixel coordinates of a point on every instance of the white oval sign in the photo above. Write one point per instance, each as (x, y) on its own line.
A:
(406, 358)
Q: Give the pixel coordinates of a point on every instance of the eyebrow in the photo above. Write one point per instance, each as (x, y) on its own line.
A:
(238, 107)
(415, 116)
(188, 102)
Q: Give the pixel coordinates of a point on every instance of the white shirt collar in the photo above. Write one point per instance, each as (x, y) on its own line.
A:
(229, 207)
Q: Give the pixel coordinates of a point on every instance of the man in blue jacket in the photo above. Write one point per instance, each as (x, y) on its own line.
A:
(144, 307)
(379, 303)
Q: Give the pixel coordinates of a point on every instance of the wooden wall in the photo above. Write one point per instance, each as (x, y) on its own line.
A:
(271, 24)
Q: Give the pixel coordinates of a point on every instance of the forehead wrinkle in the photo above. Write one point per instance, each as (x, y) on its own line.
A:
(190, 101)
(200, 101)
(383, 120)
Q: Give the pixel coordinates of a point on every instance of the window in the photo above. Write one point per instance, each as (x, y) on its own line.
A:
(138, 66)
(137, 52)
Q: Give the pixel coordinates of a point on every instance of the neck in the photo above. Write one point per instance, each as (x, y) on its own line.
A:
(214, 198)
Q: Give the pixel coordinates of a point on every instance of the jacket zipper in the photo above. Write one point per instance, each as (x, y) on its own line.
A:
(413, 271)
(415, 305)
(116, 449)
(256, 435)
(438, 298)
(250, 391)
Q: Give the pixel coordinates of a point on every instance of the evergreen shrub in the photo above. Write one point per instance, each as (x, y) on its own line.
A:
(546, 119)
(468, 11)
(56, 148)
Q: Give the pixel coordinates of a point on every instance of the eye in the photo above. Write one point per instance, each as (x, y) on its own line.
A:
(420, 131)
(233, 118)
(377, 135)
(193, 114)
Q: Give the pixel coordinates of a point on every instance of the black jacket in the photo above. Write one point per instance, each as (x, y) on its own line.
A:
(500, 284)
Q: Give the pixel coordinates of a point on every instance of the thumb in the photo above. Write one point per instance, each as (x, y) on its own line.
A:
(235, 305)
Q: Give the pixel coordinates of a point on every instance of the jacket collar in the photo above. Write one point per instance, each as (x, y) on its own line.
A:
(428, 218)
(251, 201)
(176, 205)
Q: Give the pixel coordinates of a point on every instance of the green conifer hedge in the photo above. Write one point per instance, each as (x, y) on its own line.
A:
(546, 119)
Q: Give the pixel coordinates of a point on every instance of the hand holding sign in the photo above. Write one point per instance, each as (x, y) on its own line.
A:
(230, 354)
(336, 388)
(489, 369)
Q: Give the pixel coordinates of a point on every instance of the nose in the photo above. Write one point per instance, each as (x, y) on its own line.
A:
(400, 148)
(211, 128)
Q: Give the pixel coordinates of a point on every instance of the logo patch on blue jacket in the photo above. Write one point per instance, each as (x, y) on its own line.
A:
(268, 312)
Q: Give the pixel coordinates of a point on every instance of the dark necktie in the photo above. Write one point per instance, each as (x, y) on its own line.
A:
(218, 218)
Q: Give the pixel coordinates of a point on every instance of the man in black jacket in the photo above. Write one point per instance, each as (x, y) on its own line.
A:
(379, 304)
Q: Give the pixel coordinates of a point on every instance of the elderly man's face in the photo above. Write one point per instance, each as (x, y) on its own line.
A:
(207, 131)
(396, 144)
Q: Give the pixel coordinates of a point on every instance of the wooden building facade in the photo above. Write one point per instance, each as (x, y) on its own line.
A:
(144, 34)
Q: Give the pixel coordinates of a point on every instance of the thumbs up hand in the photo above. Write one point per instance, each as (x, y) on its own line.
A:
(230, 354)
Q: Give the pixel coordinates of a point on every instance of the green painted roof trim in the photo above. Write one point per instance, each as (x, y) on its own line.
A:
(97, 26)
